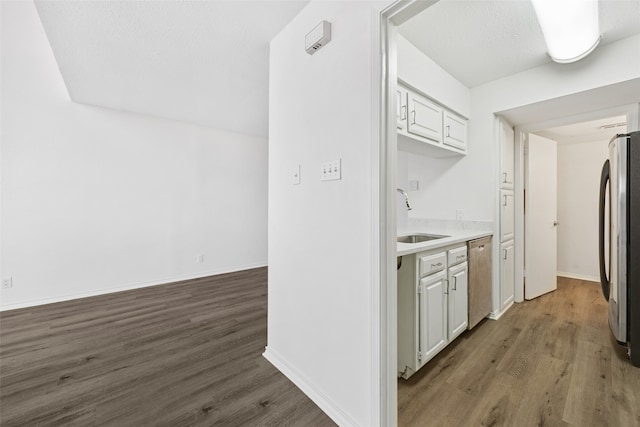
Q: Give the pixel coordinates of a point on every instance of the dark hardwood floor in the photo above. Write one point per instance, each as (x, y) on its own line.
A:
(187, 353)
(547, 362)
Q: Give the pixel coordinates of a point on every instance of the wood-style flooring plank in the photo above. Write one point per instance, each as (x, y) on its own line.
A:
(551, 361)
(187, 353)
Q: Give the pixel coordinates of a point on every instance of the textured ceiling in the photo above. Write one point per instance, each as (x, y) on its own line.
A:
(205, 62)
(478, 41)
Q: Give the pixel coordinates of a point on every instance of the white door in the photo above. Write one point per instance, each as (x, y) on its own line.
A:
(433, 320)
(458, 298)
(540, 216)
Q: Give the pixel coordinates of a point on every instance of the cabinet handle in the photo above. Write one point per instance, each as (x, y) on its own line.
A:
(481, 247)
(446, 291)
(504, 180)
(448, 131)
(414, 117)
(460, 257)
(403, 113)
(455, 282)
(505, 254)
(436, 265)
(505, 200)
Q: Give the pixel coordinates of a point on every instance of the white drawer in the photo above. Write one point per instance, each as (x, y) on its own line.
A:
(430, 264)
(457, 255)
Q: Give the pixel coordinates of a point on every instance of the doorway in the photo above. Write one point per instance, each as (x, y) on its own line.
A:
(581, 149)
(561, 229)
(492, 105)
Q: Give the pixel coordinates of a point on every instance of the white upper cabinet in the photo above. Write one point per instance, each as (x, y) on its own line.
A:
(427, 128)
(401, 108)
(425, 117)
(455, 131)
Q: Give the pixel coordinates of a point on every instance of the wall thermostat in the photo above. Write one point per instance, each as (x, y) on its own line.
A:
(318, 37)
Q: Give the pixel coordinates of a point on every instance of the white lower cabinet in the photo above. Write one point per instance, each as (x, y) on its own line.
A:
(507, 274)
(458, 298)
(432, 304)
(433, 316)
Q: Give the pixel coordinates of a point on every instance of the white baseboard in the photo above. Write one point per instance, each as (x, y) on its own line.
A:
(131, 286)
(323, 401)
(578, 276)
(495, 316)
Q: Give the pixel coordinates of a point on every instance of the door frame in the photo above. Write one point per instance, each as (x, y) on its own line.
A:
(386, 302)
(632, 111)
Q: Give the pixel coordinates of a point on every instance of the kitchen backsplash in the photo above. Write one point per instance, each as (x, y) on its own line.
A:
(435, 225)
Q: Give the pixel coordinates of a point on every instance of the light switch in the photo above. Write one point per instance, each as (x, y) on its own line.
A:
(331, 170)
(295, 175)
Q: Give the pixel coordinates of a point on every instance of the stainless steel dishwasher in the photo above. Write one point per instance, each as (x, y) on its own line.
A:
(479, 280)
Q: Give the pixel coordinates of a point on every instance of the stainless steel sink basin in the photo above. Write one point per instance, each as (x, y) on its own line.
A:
(417, 238)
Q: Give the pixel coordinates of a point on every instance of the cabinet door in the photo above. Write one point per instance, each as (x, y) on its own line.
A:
(401, 108)
(458, 297)
(425, 117)
(507, 274)
(455, 131)
(432, 319)
(507, 158)
(507, 215)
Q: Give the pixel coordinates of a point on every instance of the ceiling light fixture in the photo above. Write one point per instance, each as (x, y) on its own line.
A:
(613, 125)
(570, 27)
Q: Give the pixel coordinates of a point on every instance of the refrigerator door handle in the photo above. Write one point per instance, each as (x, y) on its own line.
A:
(604, 179)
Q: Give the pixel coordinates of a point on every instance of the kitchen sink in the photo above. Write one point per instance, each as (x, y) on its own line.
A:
(417, 238)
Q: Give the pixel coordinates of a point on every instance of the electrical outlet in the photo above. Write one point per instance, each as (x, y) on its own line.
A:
(200, 259)
(7, 282)
(414, 185)
(332, 170)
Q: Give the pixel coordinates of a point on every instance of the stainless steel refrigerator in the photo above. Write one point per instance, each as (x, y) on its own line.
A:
(620, 240)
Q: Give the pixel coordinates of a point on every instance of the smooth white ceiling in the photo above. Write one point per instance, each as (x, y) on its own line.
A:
(205, 62)
(593, 130)
(478, 41)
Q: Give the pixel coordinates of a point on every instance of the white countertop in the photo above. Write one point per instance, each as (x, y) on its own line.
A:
(455, 236)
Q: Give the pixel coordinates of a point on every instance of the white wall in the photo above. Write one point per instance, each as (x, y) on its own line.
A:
(548, 83)
(402, 181)
(95, 200)
(323, 242)
(421, 72)
(579, 168)
(442, 188)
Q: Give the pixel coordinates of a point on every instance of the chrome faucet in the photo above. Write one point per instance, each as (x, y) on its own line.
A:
(406, 198)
